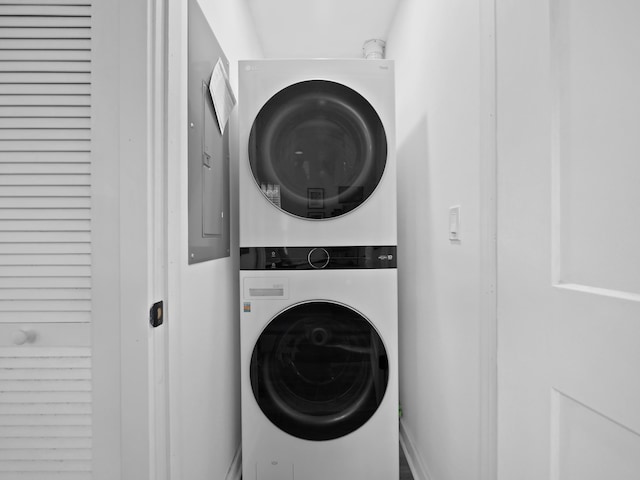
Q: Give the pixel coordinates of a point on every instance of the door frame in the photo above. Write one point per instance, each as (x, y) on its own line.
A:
(488, 405)
(130, 420)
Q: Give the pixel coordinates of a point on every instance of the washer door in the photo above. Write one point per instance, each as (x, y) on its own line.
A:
(317, 149)
(319, 370)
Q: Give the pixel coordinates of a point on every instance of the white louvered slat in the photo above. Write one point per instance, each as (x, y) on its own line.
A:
(44, 226)
(48, 374)
(44, 363)
(55, 123)
(46, 431)
(45, 271)
(46, 465)
(44, 55)
(45, 157)
(50, 2)
(77, 263)
(44, 213)
(48, 225)
(47, 179)
(40, 443)
(45, 413)
(44, 145)
(44, 168)
(45, 239)
(44, 66)
(45, 191)
(33, 22)
(22, 294)
(44, 100)
(43, 454)
(44, 249)
(46, 89)
(45, 317)
(40, 9)
(44, 259)
(40, 32)
(45, 202)
(45, 397)
(45, 282)
(46, 409)
(44, 386)
(41, 305)
(41, 294)
(70, 78)
(24, 44)
(53, 112)
(39, 134)
(31, 17)
(42, 111)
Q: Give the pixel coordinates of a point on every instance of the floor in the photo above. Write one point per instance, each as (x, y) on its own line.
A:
(405, 473)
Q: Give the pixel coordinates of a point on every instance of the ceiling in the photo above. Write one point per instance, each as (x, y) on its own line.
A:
(320, 28)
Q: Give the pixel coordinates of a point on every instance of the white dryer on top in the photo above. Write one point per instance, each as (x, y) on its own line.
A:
(317, 152)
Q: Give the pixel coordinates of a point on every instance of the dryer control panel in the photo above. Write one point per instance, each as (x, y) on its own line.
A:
(318, 258)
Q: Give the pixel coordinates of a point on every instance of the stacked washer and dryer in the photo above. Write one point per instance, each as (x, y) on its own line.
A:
(318, 278)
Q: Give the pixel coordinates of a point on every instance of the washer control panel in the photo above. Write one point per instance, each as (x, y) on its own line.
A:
(318, 258)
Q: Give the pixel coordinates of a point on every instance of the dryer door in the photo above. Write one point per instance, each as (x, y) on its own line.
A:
(317, 149)
(319, 370)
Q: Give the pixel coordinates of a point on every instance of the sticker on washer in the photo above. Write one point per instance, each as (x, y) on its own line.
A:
(246, 308)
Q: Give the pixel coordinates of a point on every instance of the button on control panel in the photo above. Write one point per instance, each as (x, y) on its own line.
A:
(318, 258)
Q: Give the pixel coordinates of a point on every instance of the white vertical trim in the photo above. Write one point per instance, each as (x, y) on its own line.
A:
(488, 388)
(556, 155)
(158, 379)
(107, 442)
(554, 435)
(417, 465)
(136, 337)
(176, 148)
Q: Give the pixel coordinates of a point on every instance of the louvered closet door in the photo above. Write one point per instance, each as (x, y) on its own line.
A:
(45, 240)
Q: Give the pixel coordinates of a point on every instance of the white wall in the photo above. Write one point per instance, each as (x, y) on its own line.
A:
(436, 48)
(202, 303)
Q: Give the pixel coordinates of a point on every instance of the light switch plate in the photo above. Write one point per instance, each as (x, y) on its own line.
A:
(454, 223)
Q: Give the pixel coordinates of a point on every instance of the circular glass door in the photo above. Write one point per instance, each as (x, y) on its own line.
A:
(319, 370)
(317, 149)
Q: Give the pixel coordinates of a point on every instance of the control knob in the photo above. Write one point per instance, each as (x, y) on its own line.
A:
(318, 258)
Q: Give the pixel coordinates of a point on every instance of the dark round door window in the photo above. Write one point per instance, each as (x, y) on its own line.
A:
(319, 370)
(317, 149)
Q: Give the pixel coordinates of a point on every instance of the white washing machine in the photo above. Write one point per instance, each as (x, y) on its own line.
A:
(317, 152)
(319, 363)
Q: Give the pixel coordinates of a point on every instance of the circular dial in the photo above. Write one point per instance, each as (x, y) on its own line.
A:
(318, 258)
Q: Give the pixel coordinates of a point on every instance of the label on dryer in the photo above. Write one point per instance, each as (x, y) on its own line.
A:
(265, 288)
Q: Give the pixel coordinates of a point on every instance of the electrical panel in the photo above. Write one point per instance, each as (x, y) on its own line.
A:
(208, 144)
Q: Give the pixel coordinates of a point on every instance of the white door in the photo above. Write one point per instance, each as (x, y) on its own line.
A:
(568, 76)
(75, 360)
(45, 242)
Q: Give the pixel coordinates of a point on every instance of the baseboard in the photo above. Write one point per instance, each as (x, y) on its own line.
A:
(235, 469)
(416, 463)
